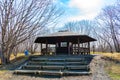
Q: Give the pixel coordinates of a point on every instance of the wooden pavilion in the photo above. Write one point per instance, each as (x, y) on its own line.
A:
(65, 43)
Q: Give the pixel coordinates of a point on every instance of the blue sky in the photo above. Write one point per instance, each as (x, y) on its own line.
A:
(76, 10)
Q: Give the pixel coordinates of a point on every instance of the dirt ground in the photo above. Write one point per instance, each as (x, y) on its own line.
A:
(97, 69)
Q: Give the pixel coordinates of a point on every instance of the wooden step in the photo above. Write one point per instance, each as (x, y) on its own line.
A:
(75, 59)
(76, 73)
(39, 59)
(36, 63)
(60, 73)
(40, 72)
(53, 67)
(56, 73)
(76, 63)
(32, 67)
(82, 67)
(57, 63)
(52, 59)
(56, 59)
(26, 71)
(46, 63)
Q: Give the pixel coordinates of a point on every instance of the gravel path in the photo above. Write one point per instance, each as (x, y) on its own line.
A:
(98, 71)
(97, 68)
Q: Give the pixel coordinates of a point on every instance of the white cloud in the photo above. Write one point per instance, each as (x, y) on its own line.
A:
(88, 8)
(77, 10)
(86, 5)
(89, 16)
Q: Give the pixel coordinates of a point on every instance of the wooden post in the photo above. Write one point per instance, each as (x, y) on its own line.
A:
(68, 48)
(82, 45)
(41, 49)
(71, 48)
(82, 48)
(75, 49)
(88, 47)
(78, 46)
(46, 47)
(56, 48)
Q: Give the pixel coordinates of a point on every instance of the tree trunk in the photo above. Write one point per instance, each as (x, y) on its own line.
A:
(4, 59)
(5, 56)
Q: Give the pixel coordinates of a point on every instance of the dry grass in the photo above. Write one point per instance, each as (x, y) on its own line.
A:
(2, 71)
(13, 57)
(115, 56)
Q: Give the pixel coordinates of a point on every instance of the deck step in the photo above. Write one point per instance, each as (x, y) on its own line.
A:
(82, 67)
(55, 59)
(76, 73)
(57, 63)
(53, 67)
(32, 67)
(40, 72)
(56, 67)
(50, 59)
(26, 71)
(39, 59)
(75, 59)
(77, 63)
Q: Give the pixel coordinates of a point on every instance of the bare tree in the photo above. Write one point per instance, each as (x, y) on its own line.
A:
(83, 27)
(108, 20)
(104, 41)
(21, 19)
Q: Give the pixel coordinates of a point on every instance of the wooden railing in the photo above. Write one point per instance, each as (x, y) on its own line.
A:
(48, 51)
(82, 50)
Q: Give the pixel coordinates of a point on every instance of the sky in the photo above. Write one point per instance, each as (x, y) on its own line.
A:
(76, 10)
